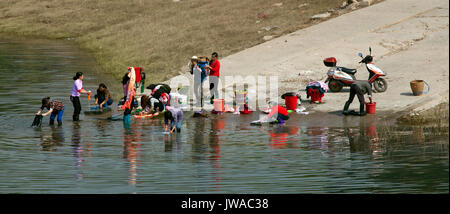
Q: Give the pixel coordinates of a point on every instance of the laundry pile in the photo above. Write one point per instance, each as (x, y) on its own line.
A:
(316, 91)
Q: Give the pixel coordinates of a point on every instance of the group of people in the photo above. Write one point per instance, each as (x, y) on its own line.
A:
(56, 107)
(358, 88)
(159, 99)
(201, 67)
(156, 102)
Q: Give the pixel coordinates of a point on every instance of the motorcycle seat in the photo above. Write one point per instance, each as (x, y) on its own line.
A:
(347, 70)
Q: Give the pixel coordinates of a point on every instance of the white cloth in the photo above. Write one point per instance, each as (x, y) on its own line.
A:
(197, 84)
(214, 82)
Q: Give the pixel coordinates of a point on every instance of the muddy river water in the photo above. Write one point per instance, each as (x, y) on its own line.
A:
(315, 153)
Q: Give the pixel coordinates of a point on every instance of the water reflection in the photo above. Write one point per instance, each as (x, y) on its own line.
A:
(172, 143)
(102, 128)
(418, 135)
(371, 129)
(215, 135)
(318, 137)
(77, 150)
(131, 148)
(217, 126)
(199, 142)
(222, 152)
(50, 141)
(364, 138)
(282, 137)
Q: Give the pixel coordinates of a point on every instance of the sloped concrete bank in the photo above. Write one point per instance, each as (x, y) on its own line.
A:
(409, 41)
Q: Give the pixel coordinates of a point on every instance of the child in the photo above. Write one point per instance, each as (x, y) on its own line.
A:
(55, 107)
(173, 118)
(103, 97)
(203, 64)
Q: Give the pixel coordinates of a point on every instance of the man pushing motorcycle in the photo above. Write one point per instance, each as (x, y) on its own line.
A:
(359, 88)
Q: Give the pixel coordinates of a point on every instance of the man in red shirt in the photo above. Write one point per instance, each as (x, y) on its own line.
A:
(214, 73)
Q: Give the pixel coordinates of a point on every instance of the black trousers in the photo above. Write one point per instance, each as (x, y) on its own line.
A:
(355, 90)
(77, 107)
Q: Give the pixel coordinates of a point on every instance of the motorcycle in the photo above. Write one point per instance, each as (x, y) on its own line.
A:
(338, 77)
(375, 74)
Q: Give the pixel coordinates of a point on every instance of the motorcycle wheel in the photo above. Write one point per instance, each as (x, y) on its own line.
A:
(335, 86)
(380, 85)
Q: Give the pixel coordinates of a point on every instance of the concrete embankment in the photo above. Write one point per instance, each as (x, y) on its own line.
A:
(409, 41)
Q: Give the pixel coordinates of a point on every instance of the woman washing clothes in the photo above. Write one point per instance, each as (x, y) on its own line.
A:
(151, 105)
(160, 96)
(103, 97)
(277, 112)
(55, 108)
(173, 118)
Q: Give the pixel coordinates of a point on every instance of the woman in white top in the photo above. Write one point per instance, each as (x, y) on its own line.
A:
(197, 72)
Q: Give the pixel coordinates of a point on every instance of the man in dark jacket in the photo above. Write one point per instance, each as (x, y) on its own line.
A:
(359, 88)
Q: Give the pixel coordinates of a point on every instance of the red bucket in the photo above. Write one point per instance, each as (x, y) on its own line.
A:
(370, 107)
(291, 102)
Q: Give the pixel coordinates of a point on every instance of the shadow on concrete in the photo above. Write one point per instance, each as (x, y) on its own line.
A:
(344, 90)
(337, 113)
(407, 94)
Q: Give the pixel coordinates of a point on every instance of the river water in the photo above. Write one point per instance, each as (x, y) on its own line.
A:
(313, 153)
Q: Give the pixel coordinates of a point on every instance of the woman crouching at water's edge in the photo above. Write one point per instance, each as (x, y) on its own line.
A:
(77, 90)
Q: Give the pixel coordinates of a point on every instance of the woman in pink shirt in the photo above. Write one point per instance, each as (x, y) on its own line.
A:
(77, 90)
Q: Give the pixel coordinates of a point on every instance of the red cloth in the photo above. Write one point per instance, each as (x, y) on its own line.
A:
(315, 95)
(127, 104)
(164, 98)
(215, 68)
(278, 109)
(137, 71)
(246, 110)
(279, 138)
